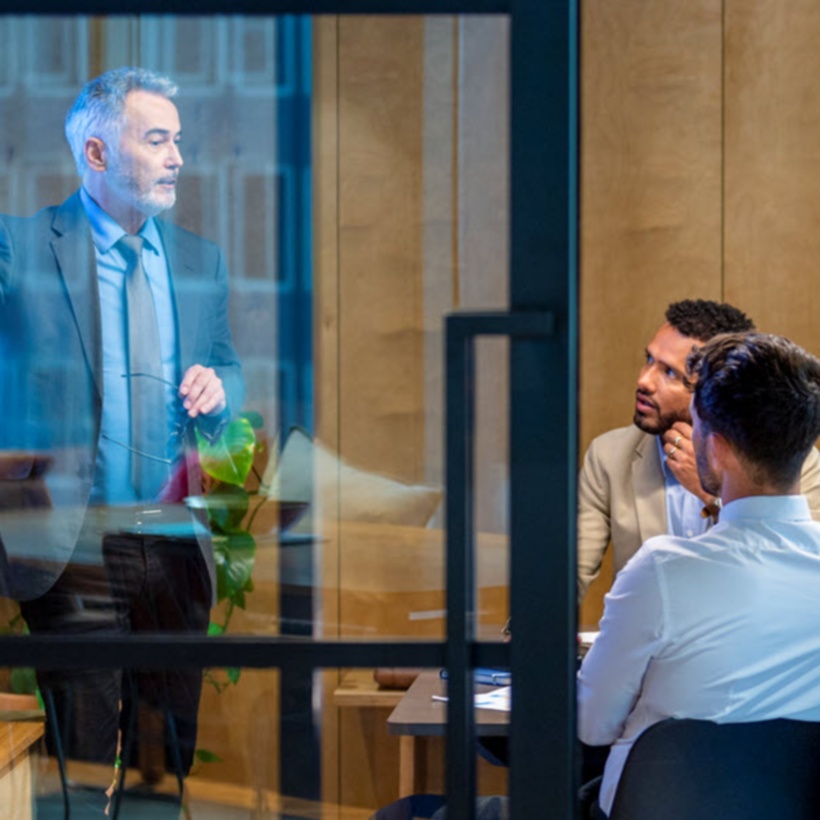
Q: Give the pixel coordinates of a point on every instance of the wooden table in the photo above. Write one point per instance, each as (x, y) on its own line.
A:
(381, 581)
(419, 715)
(358, 689)
(19, 731)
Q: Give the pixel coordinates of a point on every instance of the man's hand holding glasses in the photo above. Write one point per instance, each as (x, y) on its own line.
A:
(202, 392)
(176, 435)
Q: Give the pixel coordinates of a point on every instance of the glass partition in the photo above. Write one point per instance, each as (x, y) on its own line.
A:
(312, 202)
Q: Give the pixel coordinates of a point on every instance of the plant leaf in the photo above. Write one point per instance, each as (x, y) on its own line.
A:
(230, 458)
(241, 555)
(23, 681)
(233, 673)
(227, 505)
(204, 756)
(221, 568)
(254, 419)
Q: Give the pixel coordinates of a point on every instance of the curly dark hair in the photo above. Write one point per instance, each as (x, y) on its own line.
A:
(762, 394)
(702, 319)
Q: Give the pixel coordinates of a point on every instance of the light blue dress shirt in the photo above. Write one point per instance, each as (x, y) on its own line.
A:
(683, 510)
(112, 478)
(722, 627)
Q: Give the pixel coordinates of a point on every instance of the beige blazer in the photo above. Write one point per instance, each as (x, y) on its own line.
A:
(622, 498)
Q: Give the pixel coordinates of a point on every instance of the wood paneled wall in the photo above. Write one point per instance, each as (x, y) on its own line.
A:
(378, 261)
(700, 143)
(410, 224)
(651, 193)
(700, 168)
(772, 165)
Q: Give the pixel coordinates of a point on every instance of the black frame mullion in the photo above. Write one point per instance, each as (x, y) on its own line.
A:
(266, 8)
(462, 649)
(459, 431)
(543, 406)
(149, 651)
(543, 446)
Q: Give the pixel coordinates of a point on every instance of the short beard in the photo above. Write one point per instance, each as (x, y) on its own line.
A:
(659, 427)
(148, 203)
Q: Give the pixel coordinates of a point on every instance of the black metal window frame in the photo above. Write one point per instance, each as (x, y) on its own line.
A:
(543, 329)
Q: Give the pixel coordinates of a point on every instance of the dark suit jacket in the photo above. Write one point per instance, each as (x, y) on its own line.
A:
(51, 370)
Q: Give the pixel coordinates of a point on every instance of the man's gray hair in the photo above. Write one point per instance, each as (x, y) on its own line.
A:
(99, 109)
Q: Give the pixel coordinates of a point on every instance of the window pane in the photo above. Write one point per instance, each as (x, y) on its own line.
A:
(339, 187)
(234, 757)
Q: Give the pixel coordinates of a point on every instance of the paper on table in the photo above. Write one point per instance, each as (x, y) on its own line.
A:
(498, 699)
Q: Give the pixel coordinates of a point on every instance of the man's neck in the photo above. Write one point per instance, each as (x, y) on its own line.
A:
(742, 486)
(129, 219)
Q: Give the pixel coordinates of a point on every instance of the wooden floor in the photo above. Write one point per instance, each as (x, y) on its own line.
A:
(204, 799)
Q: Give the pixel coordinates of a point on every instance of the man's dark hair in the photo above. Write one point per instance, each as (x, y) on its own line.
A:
(702, 319)
(762, 394)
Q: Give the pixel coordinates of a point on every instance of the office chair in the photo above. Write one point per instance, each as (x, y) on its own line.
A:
(699, 770)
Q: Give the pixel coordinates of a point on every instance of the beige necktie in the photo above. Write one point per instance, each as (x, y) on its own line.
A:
(149, 422)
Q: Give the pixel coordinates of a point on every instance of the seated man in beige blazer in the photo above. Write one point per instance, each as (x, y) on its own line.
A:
(640, 481)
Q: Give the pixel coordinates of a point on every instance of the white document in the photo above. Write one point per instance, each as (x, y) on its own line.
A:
(498, 699)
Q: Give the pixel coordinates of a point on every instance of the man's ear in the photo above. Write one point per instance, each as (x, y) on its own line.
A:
(95, 153)
(718, 451)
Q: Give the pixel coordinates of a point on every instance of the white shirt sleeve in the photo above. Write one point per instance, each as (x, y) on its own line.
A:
(632, 632)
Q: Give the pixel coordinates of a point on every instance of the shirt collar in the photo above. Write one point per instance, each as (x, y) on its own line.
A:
(668, 475)
(781, 507)
(106, 232)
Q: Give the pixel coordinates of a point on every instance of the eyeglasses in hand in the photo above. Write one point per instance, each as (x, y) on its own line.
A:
(177, 433)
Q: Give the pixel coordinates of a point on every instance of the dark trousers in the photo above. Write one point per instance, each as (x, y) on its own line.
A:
(144, 584)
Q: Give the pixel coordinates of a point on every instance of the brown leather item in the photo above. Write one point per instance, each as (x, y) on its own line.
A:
(18, 466)
(21, 480)
(395, 678)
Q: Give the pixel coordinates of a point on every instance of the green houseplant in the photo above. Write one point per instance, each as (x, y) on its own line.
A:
(227, 463)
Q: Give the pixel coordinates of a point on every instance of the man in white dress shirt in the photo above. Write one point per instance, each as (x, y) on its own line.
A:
(724, 626)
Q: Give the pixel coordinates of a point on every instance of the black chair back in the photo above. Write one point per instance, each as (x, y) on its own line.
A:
(699, 770)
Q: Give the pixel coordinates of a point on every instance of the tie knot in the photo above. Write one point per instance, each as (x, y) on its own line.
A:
(131, 247)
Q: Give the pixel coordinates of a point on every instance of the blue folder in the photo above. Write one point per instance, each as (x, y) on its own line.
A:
(492, 677)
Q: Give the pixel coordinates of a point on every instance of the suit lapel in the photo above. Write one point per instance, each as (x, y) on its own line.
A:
(74, 253)
(650, 488)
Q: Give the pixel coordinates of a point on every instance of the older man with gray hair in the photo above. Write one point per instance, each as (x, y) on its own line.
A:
(120, 351)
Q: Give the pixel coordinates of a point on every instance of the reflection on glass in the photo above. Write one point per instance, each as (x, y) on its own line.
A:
(93, 288)
(313, 201)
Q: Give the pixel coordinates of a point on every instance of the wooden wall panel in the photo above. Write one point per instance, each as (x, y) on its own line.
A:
(440, 214)
(410, 149)
(773, 165)
(326, 346)
(381, 402)
(699, 161)
(483, 247)
(651, 184)
(369, 205)
(325, 150)
(650, 191)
